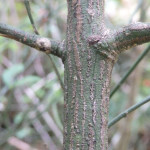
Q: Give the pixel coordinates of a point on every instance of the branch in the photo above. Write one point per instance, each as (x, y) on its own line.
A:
(19, 144)
(139, 4)
(130, 36)
(27, 5)
(111, 43)
(126, 112)
(43, 44)
(130, 70)
(56, 72)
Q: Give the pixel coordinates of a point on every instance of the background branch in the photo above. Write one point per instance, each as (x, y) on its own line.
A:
(27, 5)
(126, 112)
(130, 71)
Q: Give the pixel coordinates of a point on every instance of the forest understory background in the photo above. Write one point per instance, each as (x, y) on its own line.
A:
(31, 98)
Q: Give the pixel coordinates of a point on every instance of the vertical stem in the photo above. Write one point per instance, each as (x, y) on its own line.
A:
(87, 79)
(86, 106)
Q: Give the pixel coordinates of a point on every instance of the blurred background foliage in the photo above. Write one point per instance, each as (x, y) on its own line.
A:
(31, 99)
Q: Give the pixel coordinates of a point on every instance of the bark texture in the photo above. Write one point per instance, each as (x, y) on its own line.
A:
(87, 78)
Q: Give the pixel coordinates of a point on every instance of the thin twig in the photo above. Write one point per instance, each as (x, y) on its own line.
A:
(56, 71)
(45, 115)
(19, 144)
(136, 10)
(27, 5)
(126, 112)
(130, 71)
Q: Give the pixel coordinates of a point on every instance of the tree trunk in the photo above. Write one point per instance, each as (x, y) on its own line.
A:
(86, 101)
(87, 80)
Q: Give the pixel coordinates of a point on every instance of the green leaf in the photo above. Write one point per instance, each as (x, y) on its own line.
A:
(28, 80)
(18, 118)
(40, 93)
(9, 75)
(23, 132)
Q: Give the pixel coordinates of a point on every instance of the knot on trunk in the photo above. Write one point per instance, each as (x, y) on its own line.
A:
(94, 39)
(103, 47)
